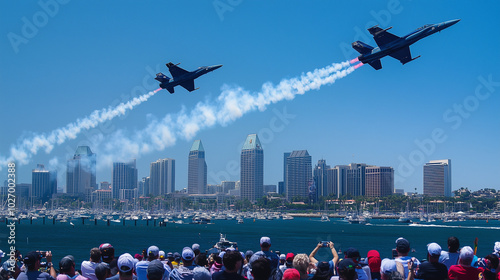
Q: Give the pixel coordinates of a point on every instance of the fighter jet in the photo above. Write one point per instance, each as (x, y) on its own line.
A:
(182, 77)
(394, 46)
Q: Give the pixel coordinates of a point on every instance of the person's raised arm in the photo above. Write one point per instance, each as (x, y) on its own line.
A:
(334, 253)
(312, 259)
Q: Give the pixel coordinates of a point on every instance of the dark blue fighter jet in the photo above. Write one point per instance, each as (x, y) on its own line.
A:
(182, 77)
(394, 46)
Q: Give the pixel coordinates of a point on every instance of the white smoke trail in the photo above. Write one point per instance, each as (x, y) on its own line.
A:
(231, 104)
(22, 152)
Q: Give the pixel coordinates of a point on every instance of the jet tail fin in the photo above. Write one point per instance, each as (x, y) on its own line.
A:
(160, 77)
(376, 64)
(361, 47)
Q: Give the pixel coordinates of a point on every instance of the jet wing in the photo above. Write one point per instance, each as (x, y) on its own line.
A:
(381, 36)
(402, 55)
(188, 85)
(175, 70)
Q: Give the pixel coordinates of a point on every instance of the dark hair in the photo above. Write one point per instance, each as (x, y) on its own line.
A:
(201, 259)
(217, 258)
(261, 268)
(95, 254)
(230, 259)
(453, 244)
(323, 271)
(491, 262)
(347, 274)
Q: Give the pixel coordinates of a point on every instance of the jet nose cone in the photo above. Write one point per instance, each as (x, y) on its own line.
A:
(215, 67)
(451, 22)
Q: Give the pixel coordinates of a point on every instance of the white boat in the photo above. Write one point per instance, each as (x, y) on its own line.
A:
(325, 218)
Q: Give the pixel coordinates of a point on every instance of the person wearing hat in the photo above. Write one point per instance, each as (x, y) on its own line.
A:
(184, 271)
(332, 262)
(232, 261)
(67, 269)
(363, 272)
(108, 256)
(88, 267)
(102, 271)
(196, 249)
(265, 246)
(155, 270)
(391, 270)
(463, 270)
(451, 256)
(403, 248)
(32, 262)
(246, 266)
(291, 274)
(432, 269)
(177, 259)
(374, 261)
(288, 263)
(142, 266)
(346, 269)
(125, 264)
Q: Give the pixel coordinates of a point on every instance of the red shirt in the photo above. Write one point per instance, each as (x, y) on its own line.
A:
(460, 272)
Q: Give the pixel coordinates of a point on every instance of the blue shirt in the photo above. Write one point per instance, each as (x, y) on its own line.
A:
(34, 275)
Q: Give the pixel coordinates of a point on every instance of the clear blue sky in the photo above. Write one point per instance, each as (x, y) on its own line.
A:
(61, 62)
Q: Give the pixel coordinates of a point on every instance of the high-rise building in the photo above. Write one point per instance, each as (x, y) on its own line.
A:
(162, 177)
(43, 183)
(143, 188)
(437, 178)
(285, 157)
(299, 174)
(356, 179)
(197, 169)
(81, 172)
(379, 181)
(252, 169)
(337, 180)
(124, 177)
(321, 178)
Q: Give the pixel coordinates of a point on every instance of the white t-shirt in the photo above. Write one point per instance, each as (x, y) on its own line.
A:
(88, 269)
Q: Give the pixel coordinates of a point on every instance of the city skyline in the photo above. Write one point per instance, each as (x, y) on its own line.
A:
(442, 105)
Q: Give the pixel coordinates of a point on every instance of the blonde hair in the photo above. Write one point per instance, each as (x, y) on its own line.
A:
(301, 263)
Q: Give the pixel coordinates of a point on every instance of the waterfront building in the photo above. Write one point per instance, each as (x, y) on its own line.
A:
(437, 178)
(281, 187)
(162, 177)
(81, 172)
(269, 189)
(124, 177)
(379, 181)
(102, 198)
(43, 183)
(227, 186)
(320, 177)
(299, 174)
(252, 169)
(197, 169)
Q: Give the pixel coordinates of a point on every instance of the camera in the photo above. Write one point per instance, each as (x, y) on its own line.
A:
(42, 254)
(394, 253)
(325, 243)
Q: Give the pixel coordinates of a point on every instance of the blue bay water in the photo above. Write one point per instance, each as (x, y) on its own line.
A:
(299, 235)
